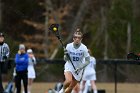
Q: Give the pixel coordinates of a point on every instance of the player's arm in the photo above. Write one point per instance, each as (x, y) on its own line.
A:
(66, 53)
(87, 58)
(65, 58)
(93, 60)
(87, 61)
(6, 52)
(82, 66)
(34, 60)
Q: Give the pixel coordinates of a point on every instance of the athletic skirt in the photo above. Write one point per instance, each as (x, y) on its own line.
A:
(69, 67)
(31, 72)
(89, 75)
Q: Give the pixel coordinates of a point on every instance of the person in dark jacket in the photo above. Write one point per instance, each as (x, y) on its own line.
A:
(21, 61)
(4, 54)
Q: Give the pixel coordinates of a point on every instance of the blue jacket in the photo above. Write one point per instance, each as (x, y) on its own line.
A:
(21, 61)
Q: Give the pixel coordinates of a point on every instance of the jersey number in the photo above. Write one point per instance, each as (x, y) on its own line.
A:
(75, 58)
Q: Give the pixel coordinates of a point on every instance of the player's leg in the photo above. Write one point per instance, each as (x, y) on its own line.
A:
(84, 87)
(76, 89)
(25, 81)
(30, 81)
(93, 86)
(68, 80)
(80, 87)
(71, 86)
(18, 83)
(1, 86)
(31, 77)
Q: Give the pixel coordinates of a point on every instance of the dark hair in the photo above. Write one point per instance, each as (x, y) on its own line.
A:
(89, 51)
(78, 32)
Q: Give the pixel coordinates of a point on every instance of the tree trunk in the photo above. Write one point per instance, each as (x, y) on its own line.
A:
(79, 17)
(128, 47)
(106, 45)
(46, 41)
(77, 22)
(136, 8)
(103, 29)
(128, 38)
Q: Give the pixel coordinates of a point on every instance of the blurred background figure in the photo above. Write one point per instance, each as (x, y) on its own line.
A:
(4, 54)
(89, 76)
(21, 61)
(31, 70)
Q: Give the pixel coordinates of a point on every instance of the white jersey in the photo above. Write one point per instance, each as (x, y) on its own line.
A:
(4, 51)
(77, 57)
(89, 72)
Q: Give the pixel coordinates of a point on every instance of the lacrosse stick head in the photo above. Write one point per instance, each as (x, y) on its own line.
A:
(54, 29)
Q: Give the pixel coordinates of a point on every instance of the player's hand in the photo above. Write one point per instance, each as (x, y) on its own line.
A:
(65, 51)
(31, 55)
(77, 70)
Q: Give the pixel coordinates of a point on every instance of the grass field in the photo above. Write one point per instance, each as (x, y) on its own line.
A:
(108, 87)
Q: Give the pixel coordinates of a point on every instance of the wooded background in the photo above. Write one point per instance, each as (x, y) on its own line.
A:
(110, 27)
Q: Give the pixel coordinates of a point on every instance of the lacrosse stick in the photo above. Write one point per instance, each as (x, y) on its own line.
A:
(54, 28)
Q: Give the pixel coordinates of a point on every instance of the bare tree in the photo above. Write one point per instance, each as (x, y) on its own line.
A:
(79, 17)
(128, 38)
(77, 22)
(49, 9)
(136, 7)
(48, 6)
(103, 29)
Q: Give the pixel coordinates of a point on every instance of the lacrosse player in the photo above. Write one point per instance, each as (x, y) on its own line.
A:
(31, 70)
(89, 76)
(75, 63)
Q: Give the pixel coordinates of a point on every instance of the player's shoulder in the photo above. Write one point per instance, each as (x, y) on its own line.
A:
(69, 44)
(5, 44)
(83, 46)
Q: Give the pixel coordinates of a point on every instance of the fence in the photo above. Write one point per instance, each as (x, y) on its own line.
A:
(108, 71)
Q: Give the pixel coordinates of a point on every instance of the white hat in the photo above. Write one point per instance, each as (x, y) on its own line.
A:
(29, 51)
(21, 46)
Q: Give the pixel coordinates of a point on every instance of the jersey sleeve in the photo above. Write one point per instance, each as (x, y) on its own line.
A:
(93, 60)
(7, 50)
(34, 60)
(86, 54)
(67, 47)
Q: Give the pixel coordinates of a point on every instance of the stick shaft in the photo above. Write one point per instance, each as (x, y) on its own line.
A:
(68, 56)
